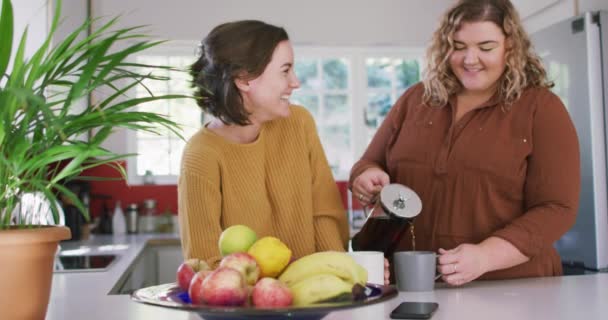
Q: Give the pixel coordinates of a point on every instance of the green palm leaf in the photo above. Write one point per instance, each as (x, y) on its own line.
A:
(6, 33)
(40, 127)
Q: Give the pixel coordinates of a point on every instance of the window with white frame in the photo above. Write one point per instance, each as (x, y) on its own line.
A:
(326, 91)
(387, 79)
(160, 154)
(348, 91)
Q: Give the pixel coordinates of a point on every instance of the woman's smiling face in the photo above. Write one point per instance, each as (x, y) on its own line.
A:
(267, 96)
(478, 59)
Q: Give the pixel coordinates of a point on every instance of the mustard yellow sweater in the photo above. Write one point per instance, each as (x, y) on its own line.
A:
(280, 185)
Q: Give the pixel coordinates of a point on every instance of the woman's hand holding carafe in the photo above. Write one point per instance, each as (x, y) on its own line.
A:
(368, 184)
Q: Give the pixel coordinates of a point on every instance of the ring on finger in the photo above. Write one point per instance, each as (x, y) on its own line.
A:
(360, 196)
(454, 269)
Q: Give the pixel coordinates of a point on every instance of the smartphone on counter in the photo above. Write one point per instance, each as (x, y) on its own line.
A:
(414, 310)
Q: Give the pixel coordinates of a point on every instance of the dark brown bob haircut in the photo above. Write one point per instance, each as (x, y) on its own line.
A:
(239, 49)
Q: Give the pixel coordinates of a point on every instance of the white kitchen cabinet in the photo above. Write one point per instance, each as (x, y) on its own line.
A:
(156, 264)
(168, 258)
(142, 273)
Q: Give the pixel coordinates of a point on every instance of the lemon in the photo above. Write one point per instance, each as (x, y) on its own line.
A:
(271, 254)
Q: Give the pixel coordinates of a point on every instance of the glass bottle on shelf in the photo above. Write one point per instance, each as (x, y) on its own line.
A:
(148, 177)
(132, 217)
(119, 225)
(147, 220)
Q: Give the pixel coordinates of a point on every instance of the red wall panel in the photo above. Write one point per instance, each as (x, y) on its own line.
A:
(165, 195)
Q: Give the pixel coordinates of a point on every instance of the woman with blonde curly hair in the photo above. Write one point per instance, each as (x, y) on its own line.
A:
(491, 151)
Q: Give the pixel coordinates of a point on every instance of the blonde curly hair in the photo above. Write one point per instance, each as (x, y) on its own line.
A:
(523, 67)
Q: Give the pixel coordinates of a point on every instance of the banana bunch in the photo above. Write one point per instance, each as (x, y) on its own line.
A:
(323, 276)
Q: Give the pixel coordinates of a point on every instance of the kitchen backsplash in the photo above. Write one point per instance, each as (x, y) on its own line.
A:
(165, 195)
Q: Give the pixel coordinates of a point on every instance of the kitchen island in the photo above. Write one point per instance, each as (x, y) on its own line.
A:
(87, 295)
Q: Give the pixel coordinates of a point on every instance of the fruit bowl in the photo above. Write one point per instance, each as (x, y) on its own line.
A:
(171, 296)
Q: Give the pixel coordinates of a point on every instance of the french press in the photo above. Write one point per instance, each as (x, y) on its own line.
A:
(388, 219)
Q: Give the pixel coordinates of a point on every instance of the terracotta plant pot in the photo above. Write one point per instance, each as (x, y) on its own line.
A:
(26, 270)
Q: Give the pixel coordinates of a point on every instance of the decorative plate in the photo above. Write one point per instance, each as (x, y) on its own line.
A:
(171, 296)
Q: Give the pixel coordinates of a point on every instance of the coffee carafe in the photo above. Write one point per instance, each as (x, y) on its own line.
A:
(387, 221)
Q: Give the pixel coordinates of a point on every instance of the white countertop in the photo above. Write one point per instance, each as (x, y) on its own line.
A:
(85, 295)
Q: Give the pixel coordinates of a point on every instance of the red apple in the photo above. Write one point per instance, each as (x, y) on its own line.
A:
(187, 270)
(222, 287)
(271, 293)
(244, 263)
(195, 287)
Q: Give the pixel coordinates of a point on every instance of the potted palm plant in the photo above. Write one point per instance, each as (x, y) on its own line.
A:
(40, 127)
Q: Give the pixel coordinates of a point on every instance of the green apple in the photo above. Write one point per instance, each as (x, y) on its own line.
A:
(237, 238)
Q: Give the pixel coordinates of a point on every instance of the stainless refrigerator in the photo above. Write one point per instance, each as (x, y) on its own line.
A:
(575, 53)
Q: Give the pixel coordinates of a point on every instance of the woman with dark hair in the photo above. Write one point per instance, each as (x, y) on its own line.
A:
(259, 162)
(490, 150)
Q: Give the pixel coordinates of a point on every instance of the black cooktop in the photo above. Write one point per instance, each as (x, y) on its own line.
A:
(83, 262)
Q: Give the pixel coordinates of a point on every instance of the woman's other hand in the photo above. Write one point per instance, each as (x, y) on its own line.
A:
(368, 184)
(462, 264)
(468, 262)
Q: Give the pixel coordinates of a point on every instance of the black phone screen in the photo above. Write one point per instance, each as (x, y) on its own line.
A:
(414, 310)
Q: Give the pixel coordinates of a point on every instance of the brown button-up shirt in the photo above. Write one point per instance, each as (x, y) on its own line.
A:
(509, 172)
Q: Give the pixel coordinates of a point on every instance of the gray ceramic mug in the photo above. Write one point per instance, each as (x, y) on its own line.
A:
(415, 270)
